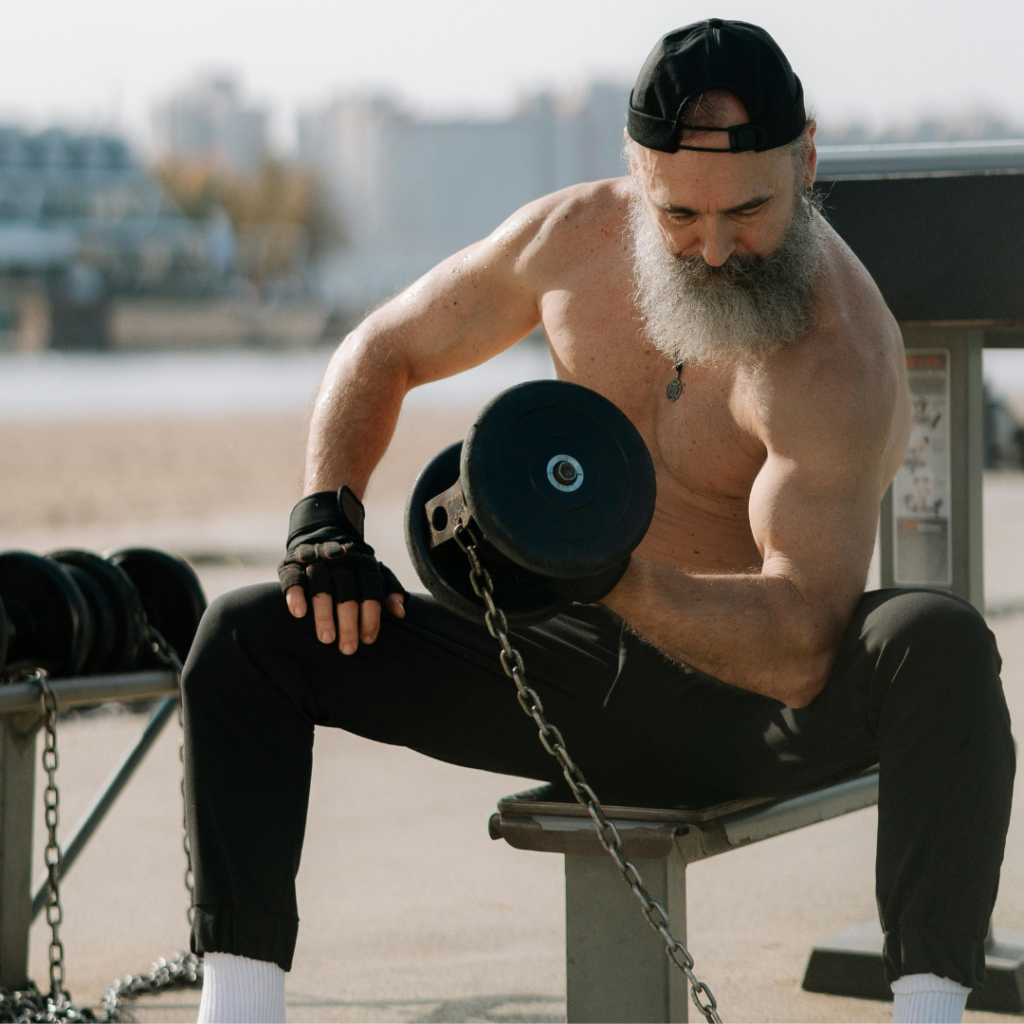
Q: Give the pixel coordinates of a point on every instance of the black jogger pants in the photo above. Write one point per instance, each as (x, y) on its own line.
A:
(915, 688)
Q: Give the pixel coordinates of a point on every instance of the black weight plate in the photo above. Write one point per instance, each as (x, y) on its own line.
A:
(129, 635)
(101, 615)
(5, 634)
(171, 593)
(509, 466)
(49, 615)
(524, 597)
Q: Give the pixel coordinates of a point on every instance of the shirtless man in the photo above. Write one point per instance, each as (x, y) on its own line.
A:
(754, 663)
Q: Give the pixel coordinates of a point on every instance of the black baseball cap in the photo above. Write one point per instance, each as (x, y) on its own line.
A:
(717, 54)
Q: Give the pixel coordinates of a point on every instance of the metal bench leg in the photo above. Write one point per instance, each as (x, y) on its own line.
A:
(17, 800)
(615, 964)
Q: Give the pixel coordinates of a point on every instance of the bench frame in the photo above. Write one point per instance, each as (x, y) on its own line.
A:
(616, 968)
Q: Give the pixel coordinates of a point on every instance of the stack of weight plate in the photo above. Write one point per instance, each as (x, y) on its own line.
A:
(78, 613)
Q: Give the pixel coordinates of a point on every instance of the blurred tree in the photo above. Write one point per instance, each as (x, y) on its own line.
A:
(281, 215)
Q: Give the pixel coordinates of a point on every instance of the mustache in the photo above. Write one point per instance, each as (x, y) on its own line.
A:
(737, 269)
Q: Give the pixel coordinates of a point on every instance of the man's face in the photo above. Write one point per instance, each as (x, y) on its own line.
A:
(715, 204)
(726, 247)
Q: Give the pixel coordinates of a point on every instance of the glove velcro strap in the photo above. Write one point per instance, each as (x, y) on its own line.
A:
(341, 509)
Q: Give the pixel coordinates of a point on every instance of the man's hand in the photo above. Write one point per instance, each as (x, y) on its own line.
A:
(329, 564)
(355, 621)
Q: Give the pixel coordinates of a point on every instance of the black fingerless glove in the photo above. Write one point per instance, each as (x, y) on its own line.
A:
(327, 553)
(590, 589)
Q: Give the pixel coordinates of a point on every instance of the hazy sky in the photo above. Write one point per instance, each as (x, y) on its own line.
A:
(107, 61)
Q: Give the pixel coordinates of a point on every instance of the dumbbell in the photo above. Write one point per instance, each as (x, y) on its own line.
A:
(556, 484)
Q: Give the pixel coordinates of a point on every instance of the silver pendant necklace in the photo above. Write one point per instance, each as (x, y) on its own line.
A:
(674, 388)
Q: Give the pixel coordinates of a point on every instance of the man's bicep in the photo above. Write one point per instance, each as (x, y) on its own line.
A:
(815, 521)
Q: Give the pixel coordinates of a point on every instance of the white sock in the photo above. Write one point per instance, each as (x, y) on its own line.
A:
(927, 999)
(237, 990)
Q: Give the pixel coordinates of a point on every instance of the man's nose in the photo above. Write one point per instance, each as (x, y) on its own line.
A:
(716, 246)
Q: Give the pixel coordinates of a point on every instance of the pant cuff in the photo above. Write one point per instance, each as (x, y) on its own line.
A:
(912, 949)
(245, 931)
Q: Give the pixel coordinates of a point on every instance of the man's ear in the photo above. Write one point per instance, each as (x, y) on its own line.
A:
(811, 165)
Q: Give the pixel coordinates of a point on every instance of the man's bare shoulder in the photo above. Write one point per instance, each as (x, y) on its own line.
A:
(572, 226)
(843, 384)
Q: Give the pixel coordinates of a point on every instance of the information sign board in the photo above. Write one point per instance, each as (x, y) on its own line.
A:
(922, 539)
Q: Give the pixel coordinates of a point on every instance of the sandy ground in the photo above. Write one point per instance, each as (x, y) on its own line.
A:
(409, 911)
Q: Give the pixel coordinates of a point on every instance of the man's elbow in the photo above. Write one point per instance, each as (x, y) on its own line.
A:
(812, 655)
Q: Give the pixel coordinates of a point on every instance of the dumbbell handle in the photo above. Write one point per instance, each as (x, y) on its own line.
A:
(446, 512)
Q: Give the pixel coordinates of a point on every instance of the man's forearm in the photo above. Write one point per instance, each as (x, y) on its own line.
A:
(754, 631)
(355, 414)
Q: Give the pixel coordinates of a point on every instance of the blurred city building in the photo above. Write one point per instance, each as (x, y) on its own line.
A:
(222, 243)
(409, 192)
(966, 125)
(208, 122)
(82, 221)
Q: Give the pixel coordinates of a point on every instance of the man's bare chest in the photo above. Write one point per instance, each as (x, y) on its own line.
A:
(701, 442)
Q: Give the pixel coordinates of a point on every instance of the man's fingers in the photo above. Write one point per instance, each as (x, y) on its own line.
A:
(295, 598)
(369, 621)
(395, 604)
(323, 614)
(348, 627)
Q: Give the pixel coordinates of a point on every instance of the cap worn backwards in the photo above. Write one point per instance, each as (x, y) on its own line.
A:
(716, 54)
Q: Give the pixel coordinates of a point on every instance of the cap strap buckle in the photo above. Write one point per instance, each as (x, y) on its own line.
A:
(742, 137)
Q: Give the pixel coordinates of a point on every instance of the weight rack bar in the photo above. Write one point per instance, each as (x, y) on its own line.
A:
(76, 691)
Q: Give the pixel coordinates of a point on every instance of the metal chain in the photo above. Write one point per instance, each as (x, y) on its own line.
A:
(185, 970)
(190, 881)
(169, 656)
(552, 741)
(52, 855)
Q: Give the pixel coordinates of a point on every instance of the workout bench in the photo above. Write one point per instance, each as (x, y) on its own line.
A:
(937, 225)
(616, 968)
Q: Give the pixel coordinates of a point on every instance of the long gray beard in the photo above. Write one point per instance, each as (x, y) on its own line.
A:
(750, 306)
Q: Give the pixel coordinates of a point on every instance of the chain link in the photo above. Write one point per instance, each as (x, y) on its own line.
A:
(52, 855)
(551, 740)
(185, 970)
(165, 653)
